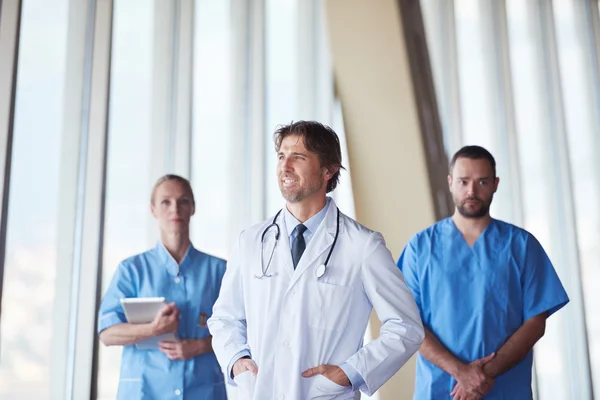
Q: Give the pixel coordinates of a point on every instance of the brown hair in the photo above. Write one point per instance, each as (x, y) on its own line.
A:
(473, 153)
(318, 139)
(172, 177)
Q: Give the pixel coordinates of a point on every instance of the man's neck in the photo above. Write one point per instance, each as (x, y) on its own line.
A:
(470, 226)
(305, 209)
(176, 244)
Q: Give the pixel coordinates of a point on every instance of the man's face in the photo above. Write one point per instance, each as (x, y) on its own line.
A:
(299, 171)
(472, 185)
(172, 207)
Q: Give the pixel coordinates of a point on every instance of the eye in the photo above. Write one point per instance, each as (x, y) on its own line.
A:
(462, 182)
(483, 182)
(165, 202)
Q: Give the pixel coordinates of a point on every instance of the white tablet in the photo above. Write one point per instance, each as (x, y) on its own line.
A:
(142, 310)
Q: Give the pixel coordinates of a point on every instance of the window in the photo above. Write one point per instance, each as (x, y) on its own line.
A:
(31, 248)
(577, 51)
(212, 148)
(130, 228)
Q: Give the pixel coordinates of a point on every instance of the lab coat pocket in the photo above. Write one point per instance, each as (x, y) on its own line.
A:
(330, 306)
(245, 383)
(328, 389)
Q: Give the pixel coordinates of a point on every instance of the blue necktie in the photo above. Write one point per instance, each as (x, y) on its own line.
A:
(298, 244)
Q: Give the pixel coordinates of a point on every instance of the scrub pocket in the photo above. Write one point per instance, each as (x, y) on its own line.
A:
(245, 383)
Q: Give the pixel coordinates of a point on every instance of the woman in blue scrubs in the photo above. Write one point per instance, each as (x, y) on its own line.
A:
(190, 281)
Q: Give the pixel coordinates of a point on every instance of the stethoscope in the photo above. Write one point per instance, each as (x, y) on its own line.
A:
(321, 269)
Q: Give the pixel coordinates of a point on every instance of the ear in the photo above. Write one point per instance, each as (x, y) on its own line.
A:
(449, 182)
(193, 209)
(496, 183)
(329, 172)
(152, 210)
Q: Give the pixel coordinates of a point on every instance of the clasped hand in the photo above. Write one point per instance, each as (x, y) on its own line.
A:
(472, 382)
(167, 321)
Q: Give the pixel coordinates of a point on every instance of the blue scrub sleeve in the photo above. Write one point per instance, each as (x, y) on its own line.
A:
(408, 266)
(111, 312)
(542, 289)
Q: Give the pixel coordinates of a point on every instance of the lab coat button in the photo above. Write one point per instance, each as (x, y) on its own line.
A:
(177, 280)
(286, 344)
(177, 392)
(281, 396)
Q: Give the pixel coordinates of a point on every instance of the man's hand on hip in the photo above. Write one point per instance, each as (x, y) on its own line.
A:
(331, 372)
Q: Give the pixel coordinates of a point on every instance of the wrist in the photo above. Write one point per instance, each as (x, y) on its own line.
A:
(158, 330)
(456, 369)
(149, 330)
(489, 370)
(200, 347)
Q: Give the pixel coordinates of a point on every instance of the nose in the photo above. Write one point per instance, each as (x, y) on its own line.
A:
(285, 165)
(471, 189)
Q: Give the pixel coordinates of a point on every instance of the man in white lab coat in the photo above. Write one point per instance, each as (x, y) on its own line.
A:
(299, 288)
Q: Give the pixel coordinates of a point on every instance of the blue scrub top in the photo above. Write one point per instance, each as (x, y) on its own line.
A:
(194, 286)
(474, 299)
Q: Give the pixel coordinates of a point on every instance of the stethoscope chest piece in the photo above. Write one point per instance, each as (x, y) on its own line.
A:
(320, 270)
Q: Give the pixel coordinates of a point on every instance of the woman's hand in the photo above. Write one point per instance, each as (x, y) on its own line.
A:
(166, 321)
(185, 349)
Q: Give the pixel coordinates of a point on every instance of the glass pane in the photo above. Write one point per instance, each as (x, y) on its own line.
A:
(33, 204)
(128, 219)
(478, 95)
(473, 75)
(281, 83)
(538, 181)
(343, 195)
(437, 22)
(575, 55)
(212, 224)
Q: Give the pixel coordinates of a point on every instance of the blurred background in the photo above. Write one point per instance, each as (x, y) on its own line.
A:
(99, 98)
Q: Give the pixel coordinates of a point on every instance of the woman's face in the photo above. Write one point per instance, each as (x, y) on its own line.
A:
(172, 207)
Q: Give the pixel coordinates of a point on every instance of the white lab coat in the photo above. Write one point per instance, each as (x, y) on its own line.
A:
(293, 320)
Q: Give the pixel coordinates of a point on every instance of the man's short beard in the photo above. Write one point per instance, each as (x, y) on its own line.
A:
(298, 196)
(480, 213)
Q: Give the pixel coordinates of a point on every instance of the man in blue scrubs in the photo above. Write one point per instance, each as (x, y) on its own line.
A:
(190, 281)
(484, 289)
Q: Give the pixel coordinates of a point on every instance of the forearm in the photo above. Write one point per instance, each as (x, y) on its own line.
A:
(436, 353)
(126, 334)
(517, 346)
(202, 346)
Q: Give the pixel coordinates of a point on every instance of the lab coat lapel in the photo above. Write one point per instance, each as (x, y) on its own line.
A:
(320, 243)
(284, 253)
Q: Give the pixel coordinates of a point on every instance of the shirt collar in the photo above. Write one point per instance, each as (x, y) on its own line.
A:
(167, 260)
(311, 224)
